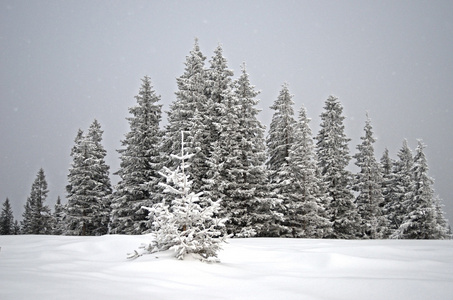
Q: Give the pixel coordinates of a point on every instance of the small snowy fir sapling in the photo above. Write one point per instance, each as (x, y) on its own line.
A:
(185, 226)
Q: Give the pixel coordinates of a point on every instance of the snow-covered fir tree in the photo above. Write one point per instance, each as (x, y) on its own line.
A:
(6, 219)
(281, 135)
(368, 184)
(238, 175)
(210, 123)
(141, 161)
(279, 141)
(76, 176)
(185, 112)
(444, 230)
(37, 216)
(400, 188)
(186, 226)
(58, 218)
(100, 175)
(89, 189)
(305, 214)
(387, 178)
(333, 158)
(420, 221)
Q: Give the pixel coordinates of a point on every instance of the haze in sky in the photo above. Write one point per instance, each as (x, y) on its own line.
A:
(65, 63)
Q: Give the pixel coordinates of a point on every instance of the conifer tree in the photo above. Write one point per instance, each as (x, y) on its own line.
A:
(211, 119)
(58, 218)
(36, 217)
(103, 188)
(25, 224)
(186, 227)
(387, 165)
(281, 136)
(368, 183)
(420, 221)
(305, 214)
(184, 115)
(333, 158)
(76, 176)
(237, 163)
(279, 141)
(89, 189)
(401, 188)
(443, 228)
(6, 219)
(16, 228)
(141, 161)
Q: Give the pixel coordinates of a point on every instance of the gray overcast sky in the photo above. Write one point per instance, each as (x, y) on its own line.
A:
(64, 63)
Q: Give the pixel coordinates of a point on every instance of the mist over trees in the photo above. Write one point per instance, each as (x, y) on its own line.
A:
(289, 183)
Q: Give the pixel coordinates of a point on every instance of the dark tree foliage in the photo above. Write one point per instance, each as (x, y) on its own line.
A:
(7, 219)
(37, 217)
(58, 218)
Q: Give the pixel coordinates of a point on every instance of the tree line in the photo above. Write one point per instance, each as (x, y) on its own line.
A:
(289, 183)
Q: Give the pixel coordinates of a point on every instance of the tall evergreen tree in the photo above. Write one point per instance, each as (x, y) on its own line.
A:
(279, 141)
(6, 219)
(184, 115)
(281, 136)
(211, 119)
(420, 221)
(103, 188)
(76, 177)
(368, 183)
(237, 164)
(333, 158)
(89, 189)
(141, 161)
(387, 178)
(36, 217)
(400, 188)
(305, 214)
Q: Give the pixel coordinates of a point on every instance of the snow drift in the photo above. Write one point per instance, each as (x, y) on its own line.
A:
(62, 267)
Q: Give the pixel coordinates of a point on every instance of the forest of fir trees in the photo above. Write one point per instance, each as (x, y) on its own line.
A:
(289, 183)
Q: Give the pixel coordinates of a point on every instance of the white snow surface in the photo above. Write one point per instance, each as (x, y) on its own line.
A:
(61, 267)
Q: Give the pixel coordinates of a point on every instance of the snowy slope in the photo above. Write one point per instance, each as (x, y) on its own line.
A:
(56, 267)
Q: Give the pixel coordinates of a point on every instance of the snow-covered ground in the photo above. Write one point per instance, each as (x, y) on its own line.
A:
(58, 267)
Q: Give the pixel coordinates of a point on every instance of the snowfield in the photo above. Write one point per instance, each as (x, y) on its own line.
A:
(61, 267)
